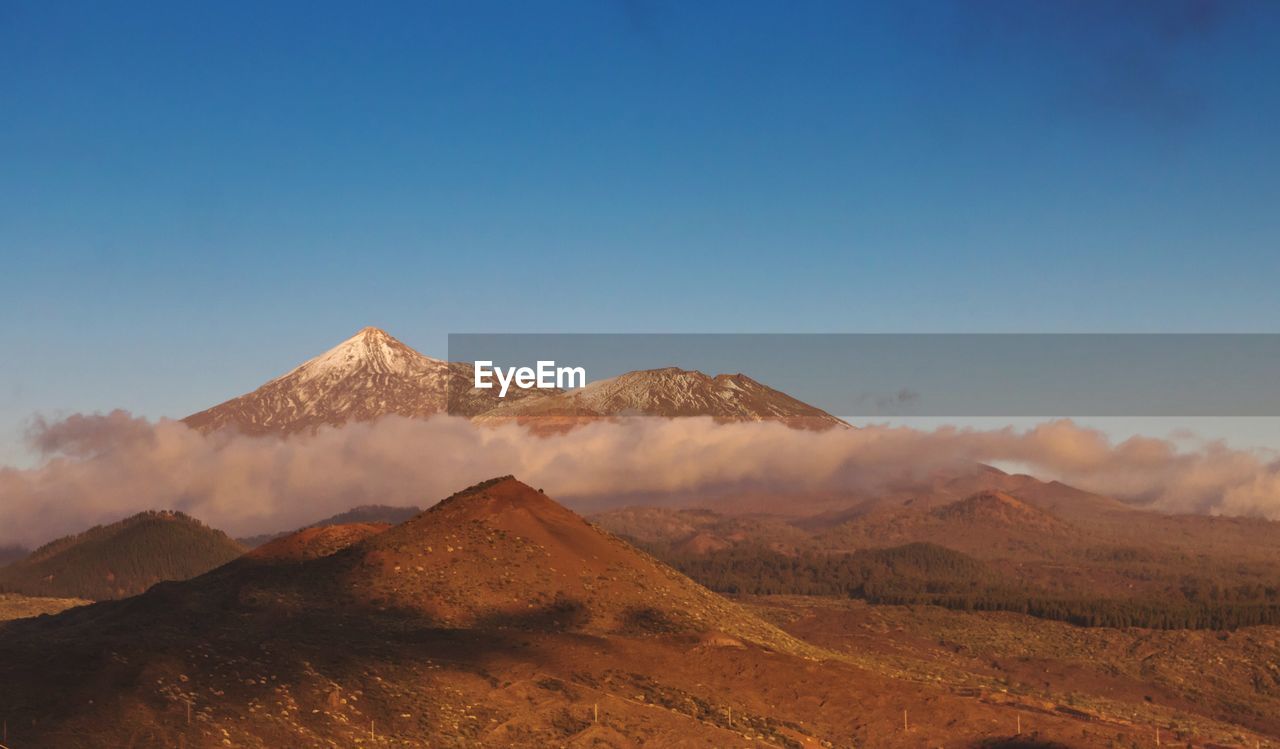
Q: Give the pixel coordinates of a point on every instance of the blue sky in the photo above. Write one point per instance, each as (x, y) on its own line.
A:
(195, 198)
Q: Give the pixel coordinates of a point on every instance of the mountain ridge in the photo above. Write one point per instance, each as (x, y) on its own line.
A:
(673, 392)
(372, 374)
(377, 514)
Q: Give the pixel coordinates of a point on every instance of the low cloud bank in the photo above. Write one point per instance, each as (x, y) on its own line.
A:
(99, 468)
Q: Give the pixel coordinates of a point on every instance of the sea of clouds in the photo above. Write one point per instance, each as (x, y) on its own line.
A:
(100, 468)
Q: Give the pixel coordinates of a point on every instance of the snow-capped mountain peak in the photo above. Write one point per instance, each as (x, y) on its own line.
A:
(371, 351)
(371, 374)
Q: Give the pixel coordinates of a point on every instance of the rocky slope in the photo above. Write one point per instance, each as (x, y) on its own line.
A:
(673, 392)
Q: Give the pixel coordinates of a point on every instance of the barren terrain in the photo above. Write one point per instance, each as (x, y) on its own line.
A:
(500, 618)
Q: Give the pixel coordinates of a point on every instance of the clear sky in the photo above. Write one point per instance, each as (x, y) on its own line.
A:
(194, 198)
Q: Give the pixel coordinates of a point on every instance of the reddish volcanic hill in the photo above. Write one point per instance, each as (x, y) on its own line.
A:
(986, 524)
(999, 509)
(502, 553)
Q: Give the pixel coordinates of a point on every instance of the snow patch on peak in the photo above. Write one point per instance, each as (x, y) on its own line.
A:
(372, 351)
(371, 374)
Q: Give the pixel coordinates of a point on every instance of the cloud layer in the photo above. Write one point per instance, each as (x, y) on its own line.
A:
(99, 468)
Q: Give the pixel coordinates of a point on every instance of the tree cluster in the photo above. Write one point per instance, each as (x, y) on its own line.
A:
(924, 573)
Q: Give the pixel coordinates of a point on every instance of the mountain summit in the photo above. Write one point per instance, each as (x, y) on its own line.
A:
(503, 554)
(368, 375)
(372, 351)
(371, 374)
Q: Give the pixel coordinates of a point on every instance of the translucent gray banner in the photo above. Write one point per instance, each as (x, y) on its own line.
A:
(939, 375)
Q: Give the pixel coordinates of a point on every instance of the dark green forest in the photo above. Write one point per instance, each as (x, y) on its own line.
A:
(924, 573)
(121, 559)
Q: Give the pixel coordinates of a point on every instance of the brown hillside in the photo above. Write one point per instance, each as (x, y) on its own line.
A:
(699, 530)
(502, 553)
(986, 524)
(1000, 509)
(497, 618)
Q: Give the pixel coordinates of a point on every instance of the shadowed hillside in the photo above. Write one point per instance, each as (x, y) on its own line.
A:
(121, 559)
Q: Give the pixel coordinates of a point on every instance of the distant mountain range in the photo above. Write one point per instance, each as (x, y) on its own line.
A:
(387, 514)
(1044, 536)
(1022, 524)
(672, 392)
(372, 374)
(12, 553)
